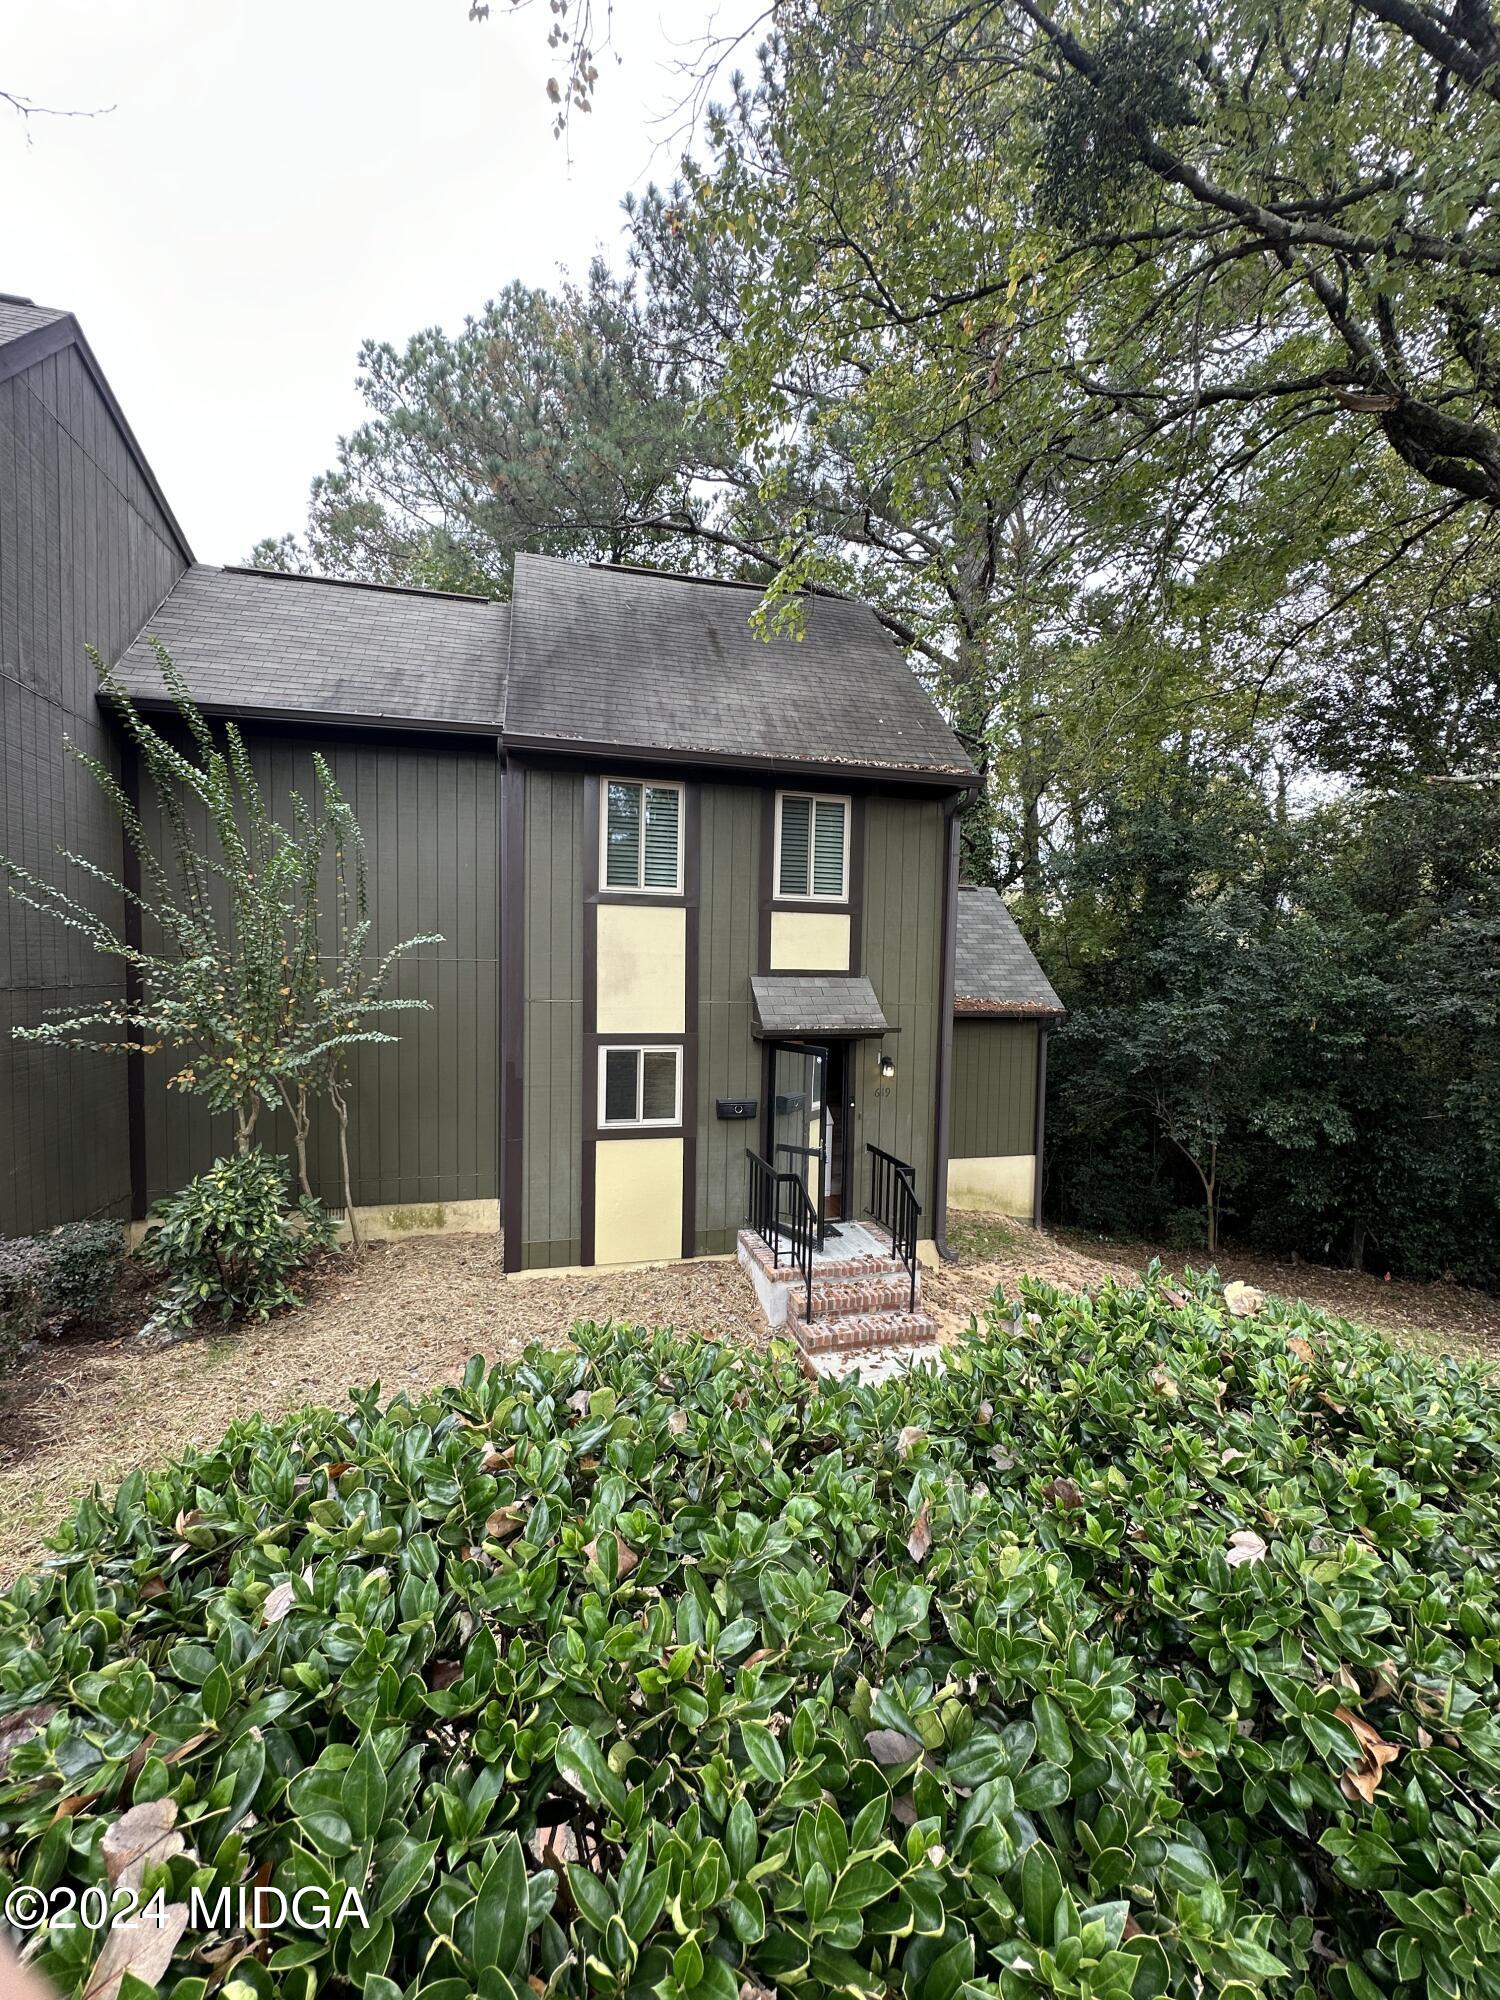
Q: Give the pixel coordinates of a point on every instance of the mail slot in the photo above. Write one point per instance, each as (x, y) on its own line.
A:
(736, 1107)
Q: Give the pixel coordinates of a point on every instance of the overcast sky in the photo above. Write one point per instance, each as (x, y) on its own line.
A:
(280, 178)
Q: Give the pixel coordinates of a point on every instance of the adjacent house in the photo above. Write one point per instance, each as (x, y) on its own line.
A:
(705, 956)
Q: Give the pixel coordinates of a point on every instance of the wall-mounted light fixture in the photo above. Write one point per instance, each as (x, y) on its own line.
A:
(886, 1064)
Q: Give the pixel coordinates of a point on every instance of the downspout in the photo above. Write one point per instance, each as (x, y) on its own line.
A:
(1039, 1134)
(942, 1117)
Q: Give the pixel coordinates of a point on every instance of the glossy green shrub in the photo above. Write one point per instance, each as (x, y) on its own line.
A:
(230, 1242)
(1147, 1650)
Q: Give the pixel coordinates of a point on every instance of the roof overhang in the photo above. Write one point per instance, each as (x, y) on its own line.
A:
(29, 348)
(1004, 1010)
(838, 1005)
(650, 755)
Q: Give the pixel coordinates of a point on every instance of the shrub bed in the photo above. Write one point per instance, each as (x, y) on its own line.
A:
(1147, 1650)
(67, 1278)
(232, 1240)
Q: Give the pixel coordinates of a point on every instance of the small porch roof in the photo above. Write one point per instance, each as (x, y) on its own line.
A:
(815, 1003)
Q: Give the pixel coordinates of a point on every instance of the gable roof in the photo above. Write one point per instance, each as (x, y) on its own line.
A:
(282, 647)
(18, 316)
(633, 661)
(30, 333)
(995, 971)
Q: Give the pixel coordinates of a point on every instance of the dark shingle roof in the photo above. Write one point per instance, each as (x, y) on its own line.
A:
(816, 1003)
(638, 660)
(273, 644)
(18, 316)
(994, 970)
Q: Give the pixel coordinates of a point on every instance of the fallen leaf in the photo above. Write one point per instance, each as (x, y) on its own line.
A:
(1303, 1349)
(1362, 1780)
(142, 1947)
(1245, 1546)
(626, 1557)
(750, 1991)
(1173, 1297)
(153, 1586)
(578, 1402)
(146, 1833)
(1386, 1681)
(677, 1423)
(1063, 1493)
(1163, 1383)
(903, 1812)
(503, 1523)
(986, 1413)
(913, 1434)
(277, 1604)
(1003, 1460)
(919, 1541)
(892, 1746)
(493, 1459)
(1243, 1300)
(21, 1727)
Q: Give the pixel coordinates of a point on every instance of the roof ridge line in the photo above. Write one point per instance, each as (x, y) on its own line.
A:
(356, 583)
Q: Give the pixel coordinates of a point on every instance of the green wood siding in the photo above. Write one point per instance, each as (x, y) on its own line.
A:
(902, 951)
(552, 1050)
(994, 1089)
(85, 556)
(729, 1058)
(423, 1124)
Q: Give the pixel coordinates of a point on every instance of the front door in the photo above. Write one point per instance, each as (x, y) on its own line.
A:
(796, 1117)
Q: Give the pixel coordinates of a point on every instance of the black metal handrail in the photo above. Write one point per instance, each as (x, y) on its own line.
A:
(893, 1204)
(779, 1210)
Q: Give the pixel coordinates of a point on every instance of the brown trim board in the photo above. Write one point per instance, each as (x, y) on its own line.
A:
(135, 1061)
(692, 882)
(943, 1093)
(512, 1005)
(588, 1137)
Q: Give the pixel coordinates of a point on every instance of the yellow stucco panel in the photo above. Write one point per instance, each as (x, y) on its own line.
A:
(637, 1200)
(809, 941)
(1004, 1184)
(642, 970)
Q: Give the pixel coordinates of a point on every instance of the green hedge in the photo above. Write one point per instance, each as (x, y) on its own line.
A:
(1146, 1650)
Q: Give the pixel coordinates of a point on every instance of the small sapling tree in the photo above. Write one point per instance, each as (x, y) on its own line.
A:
(235, 981)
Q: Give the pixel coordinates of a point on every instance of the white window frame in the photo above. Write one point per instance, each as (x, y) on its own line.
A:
(814, 800)
(642, 887)
(639, 1050)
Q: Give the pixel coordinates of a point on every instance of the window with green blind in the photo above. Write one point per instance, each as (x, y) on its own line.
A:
(642, 836)
(812, 848)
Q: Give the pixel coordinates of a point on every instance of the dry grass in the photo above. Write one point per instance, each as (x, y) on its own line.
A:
(91, 1411)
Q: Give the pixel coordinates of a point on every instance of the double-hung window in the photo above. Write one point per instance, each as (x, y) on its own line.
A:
(812, 848)
(641, 837)
(639, 1086)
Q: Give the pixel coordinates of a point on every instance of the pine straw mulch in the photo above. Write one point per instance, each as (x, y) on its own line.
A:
(89, 1410)
(992, 1249)
(92, 1410)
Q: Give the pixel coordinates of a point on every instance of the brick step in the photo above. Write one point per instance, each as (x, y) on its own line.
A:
(873, 1291)
(859, 1332)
